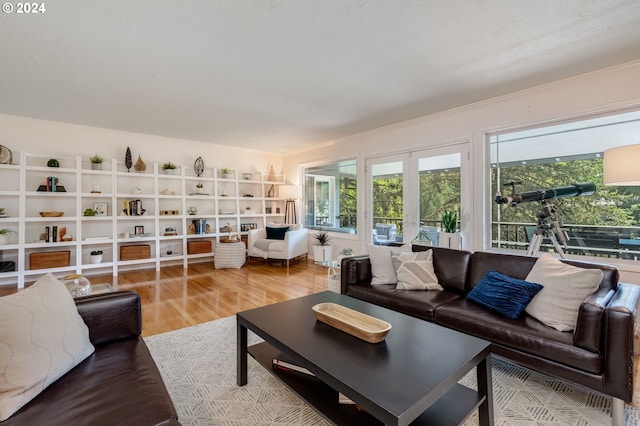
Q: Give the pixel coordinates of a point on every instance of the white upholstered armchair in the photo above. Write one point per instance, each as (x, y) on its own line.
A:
(294, 243)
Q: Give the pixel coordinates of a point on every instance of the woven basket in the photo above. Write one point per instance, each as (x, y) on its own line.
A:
(333, 280)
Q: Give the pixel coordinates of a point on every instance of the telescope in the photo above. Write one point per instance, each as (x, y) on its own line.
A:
(575, 190)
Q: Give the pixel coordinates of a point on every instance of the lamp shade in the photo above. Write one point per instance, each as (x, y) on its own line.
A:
(290, 192)
(622, 166)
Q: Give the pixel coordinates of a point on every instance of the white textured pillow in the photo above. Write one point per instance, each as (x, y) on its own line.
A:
(415, 271)
(42, 336)
(565, 288)
(382, 269)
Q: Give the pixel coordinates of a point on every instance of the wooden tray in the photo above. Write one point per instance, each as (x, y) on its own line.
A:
(49, 259)
(362, 326)
(51, 214)
(136, 252)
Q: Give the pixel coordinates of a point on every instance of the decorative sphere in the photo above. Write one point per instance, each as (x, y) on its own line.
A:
(77, 285)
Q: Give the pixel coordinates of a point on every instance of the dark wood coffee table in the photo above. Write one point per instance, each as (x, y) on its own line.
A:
(412, 376)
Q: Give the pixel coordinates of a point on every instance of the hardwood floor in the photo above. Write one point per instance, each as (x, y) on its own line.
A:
(174, 297)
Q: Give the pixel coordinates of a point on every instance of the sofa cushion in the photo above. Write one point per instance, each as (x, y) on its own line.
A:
(42, 337)
(419, 304)
(503, 294)
(382, 270)
(524, 334)
(276, 233)
(414, 271)
(119, 384)
(565, 288)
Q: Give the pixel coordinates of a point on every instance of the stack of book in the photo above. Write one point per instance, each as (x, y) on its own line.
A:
(284, 363)
(133, 208)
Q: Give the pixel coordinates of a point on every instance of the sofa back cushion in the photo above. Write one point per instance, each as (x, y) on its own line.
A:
(515, 266)
(451, 267)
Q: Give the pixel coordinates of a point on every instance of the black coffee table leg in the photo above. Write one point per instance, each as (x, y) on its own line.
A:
(485, 386)
(241, 362)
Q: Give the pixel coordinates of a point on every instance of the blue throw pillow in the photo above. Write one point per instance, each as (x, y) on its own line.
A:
(505, 295)
(276, 233)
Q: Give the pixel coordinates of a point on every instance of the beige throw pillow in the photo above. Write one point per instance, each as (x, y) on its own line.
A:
(565, 288)
(414, 271)
(382, 270)
(42, 336)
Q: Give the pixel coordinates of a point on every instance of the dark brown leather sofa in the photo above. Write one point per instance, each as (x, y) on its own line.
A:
(119, 384)
(598, 355)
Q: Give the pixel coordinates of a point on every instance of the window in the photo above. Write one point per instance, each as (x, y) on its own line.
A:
(331, 197)
(600, 221)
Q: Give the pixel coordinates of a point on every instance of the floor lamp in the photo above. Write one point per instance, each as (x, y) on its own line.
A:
(291, 193)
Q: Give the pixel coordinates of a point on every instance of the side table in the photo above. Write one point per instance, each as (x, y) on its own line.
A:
(333, 270)
(229, 255)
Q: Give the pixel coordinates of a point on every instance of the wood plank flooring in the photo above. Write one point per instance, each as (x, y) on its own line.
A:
(174, 297)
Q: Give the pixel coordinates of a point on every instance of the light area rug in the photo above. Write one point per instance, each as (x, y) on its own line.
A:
(198, 365)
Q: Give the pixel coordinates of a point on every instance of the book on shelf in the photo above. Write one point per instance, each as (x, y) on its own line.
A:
(282, 362)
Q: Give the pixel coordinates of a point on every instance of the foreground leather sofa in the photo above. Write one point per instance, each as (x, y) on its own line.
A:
(119, 384)
(598, 354)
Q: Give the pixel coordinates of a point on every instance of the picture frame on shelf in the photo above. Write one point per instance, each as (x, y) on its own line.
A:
(244, 227)
(139, 230)
(101, 208)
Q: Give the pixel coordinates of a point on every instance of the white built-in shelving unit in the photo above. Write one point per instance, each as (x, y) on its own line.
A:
(240, 200)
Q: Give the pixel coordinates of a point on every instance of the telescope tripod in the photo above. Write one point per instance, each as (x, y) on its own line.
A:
(548, 226)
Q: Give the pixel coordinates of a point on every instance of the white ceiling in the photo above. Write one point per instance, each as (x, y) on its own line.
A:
(283, 75)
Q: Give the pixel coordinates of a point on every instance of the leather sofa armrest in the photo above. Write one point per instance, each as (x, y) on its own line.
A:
(111, 316)
(589, 331)
(620, 319)
(354, 270)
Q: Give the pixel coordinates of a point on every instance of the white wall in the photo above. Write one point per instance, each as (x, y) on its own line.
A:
(33, 136)
(606, 90)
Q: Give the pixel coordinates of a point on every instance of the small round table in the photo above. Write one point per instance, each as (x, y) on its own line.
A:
(229, 255)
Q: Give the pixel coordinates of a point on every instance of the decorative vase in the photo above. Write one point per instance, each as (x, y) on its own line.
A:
(169, 171)
(139, 166)
(5, 239)
(322, 253)
(450, 240)
(96, 258)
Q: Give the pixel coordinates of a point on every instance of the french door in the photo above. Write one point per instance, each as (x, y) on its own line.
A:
(407, 193)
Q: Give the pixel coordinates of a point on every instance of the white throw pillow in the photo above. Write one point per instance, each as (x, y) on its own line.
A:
(415, 271)
(565, 288)
(42, 336)
(382, 269)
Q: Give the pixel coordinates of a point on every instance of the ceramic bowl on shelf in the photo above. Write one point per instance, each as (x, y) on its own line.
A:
(51, 214)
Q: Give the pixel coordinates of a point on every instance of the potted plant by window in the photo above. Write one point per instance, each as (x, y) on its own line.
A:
(169, 168)
(322, 250)
(450, 238)
(96, 256)
(226, 173)
(5, 235)
(96, 162)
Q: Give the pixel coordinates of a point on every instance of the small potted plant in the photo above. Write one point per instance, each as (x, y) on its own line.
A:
(96, 256)
(169, 168)
(200, 188)
(450, 238)
(226, 173)
(96, 162)
(322, 250)
(5, 235)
